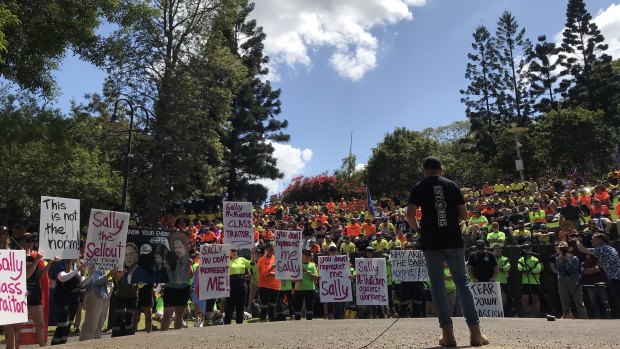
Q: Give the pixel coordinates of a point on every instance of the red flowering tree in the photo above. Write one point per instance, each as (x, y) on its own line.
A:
(320, 188)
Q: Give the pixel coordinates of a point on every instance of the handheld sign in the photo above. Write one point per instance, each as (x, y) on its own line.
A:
(408, 266)
(371, 281)
(13, 305)
(238, 225)
(488, 299)
(288, 255)
(213, 271)
(153, 251)
(107, 236)
(60, 227)
(335, 284)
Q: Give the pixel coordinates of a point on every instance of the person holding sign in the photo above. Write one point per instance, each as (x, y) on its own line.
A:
(96, 302)
(177, 292)
(36, 270)
(11, 331)
(238, 289)
(304, 288)
(66, 297)
(268, 285)
(443, 209)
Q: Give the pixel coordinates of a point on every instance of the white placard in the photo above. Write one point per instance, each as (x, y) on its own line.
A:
(13, 304)
(334, 281)
(106, 240)
(238, 225)
(59, 227)
(488, 299)
(213, 272)
(288, 255)
(371, 281)
(408, 266)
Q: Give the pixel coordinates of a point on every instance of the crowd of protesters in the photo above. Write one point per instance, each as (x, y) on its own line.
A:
(573, 215)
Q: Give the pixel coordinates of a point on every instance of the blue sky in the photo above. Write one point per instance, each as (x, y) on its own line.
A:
(369, 66)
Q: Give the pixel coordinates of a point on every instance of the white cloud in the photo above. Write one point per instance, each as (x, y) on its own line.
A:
(295, 27)
(291, 162)
(608, 21)
(360, 167)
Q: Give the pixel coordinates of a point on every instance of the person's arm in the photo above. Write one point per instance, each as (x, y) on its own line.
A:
(33, 266)
(582, 248)
(63, 276)
(413, 222)
(462, 213)
(312, 273)
(44, 271)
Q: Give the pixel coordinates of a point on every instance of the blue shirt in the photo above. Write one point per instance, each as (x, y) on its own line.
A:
(608, 259)
(98, 283)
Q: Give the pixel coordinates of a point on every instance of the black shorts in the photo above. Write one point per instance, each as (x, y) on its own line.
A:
(145, 296)
(176, 297)
(530, 289)
(35, 297)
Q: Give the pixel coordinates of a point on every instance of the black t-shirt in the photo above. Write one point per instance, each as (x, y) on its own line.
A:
(402, 226)
(483, 264)
(570, 212)
(439, 199)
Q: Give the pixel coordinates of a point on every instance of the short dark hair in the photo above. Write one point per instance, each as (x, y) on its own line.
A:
(601, 236)
(431, 163)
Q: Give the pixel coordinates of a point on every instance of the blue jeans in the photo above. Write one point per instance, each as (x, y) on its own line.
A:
(455, 257)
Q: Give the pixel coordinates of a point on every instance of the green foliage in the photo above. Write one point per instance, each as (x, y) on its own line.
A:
(569, 138)
(7, 20)
(42, 153)
(396, 162)
(543, 78)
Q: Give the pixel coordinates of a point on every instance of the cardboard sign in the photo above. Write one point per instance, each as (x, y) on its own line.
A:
(238, 225)
(154, 252)
(213, 273)
(288, 255)
(488, 299)
(371, 281)
(60, 227)
(107, 236)
(408, 266)
(13, 305)
(334, 281)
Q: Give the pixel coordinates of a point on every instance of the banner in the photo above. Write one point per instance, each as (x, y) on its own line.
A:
(335, 284)
(408, 266)
(371, 281)
(59, 232)
(213, 273)
(488, 299)
(13, 305)
(238, 225)
(107, 236)
(154, 252)
(288, 255)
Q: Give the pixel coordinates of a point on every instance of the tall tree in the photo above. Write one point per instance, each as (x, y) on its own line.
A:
(173, 63)
(584, 59)
(514, 56)
(543, 76)
(481, 95)
(253, 125)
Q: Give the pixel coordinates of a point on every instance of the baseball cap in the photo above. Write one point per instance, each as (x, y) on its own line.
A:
(370, 249)
(480, 244)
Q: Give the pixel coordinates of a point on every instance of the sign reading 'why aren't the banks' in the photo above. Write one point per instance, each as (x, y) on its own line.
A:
(238, 225)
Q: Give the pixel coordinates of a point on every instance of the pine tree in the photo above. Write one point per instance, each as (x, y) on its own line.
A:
(543, 79)
(254, 124)
(584, 59)
(481, 96)
(513, 55)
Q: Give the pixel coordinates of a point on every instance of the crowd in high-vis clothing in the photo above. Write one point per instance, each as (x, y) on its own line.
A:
(574, 215)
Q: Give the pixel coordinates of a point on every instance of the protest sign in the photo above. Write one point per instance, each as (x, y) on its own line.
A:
(238, 225)
(335, 284)
(13, 305)
(59, 233)
(408, 266)
(371, 281)
(288, 255)
(213, 271)
(154, 251)
(488, 299)
(107, 236)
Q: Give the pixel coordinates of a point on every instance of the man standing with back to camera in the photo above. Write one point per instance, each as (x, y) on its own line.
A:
(443, 208)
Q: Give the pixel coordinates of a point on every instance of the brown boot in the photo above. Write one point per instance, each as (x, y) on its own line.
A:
(477, 337)
(447, 339)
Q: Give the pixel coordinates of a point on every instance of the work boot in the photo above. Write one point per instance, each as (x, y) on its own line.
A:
(477, 337)
(447, 339)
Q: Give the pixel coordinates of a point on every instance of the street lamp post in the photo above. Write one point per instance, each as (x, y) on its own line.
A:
(115, 118)
(519, 162)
